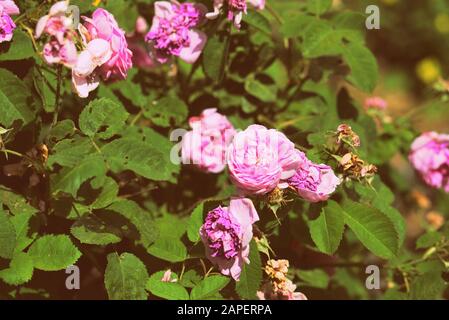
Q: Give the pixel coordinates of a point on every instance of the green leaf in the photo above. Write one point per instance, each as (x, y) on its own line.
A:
(7, 236)
(69, 180)
(169, 249)
(373, 228)
(208, 287)
(195, 222)
(125, 277)
(251, 276)
(108, 194)
(258, 21)
(350, 25)
(62, 129)
(166, 290)
(428, 240)
(102, 118)
(318, 7)
(45, 83)
(429, 286)
(259, 90)
(363, 65)
(15, 99)
(295, 25)
(20, 270)
(19, 48)
(93, 229)
(141, 156)
(70, 152)
(168, 111)
(215, 56)
(140, 218)
(320, 39)
(16, 203)
(21, 222)
(327, 229)
(53, 253)
(315, 278)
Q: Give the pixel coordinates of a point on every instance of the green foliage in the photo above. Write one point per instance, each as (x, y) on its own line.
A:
(125, 277)
(166, 290)
(53, 252)
(251, 276)
(327, 230)
(95, 182)
(208, 288)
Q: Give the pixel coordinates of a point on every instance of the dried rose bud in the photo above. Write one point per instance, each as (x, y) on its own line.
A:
(346, 135)
(435, 219)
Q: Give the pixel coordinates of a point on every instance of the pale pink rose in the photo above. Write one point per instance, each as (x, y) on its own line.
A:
(429, 155)
(9, 7)
(103, 26)
(227, 233)
(259, 159)
(375, 103)
(173, 32)
(236, 9)
(65, 54)
(85, 77)
(313, 182)
(205, 145)
(56, 23)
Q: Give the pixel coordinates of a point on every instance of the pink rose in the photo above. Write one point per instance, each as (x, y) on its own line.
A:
(205, 145)
(429, 155)
(85, 75)
(259, 159)
(56, 23)
(236, 9)
(55, 52)
(173, 31)
(375, 103)
(103, 26)
(7, 25)
(226, 234)
(313, 182)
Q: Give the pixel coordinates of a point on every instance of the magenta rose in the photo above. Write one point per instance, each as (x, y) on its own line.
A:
(102, 25)
(205, 145)
(313, 182)
(173, 32)
(260, 158)
(7, 25)
(430, 157)
(226, 234)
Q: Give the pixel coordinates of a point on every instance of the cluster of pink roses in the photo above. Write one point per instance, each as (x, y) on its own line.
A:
(7, 26)
(259, 160)
(429, 155)
(105, 51)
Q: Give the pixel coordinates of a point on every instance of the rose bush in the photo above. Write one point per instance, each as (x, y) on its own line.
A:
(221, 149)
